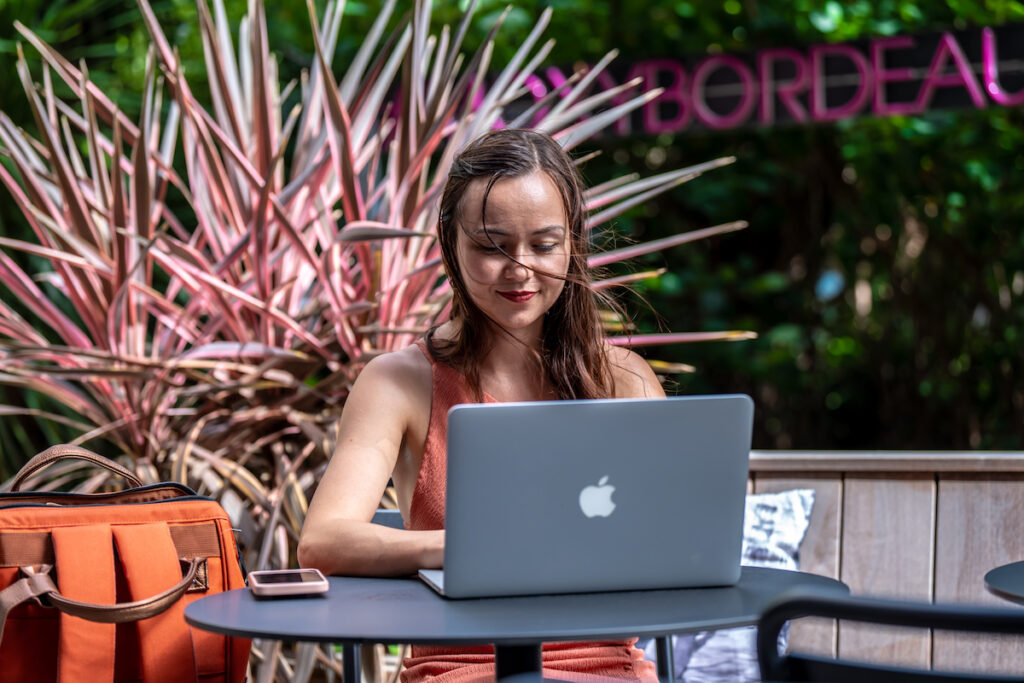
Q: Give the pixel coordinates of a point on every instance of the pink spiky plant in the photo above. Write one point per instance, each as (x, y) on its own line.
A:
(215, 345)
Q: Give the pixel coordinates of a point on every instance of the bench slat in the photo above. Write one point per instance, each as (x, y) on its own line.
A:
(980, 526)
(888, 550)
(819, 553)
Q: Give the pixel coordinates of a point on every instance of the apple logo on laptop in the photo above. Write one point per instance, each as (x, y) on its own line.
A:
(596, 501)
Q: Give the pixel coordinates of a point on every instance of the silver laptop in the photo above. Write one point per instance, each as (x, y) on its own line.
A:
(579, 496)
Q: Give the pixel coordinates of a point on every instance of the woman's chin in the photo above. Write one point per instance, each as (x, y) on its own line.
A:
(528, 324)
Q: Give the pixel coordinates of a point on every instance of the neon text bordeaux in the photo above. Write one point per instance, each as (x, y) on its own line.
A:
(897, 75)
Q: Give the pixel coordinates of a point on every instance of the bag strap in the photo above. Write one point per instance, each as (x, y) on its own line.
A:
(84, 568)
(150, 563)
(33, 584)
(64, 452)
(33, 548)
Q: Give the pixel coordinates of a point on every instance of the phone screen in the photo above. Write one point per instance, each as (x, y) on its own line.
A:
(287, 577)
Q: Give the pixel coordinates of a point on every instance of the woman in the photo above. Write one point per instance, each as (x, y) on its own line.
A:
(524, 327)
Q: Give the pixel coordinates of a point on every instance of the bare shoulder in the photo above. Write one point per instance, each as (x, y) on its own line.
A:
(396, 384)
(633, 377)
(405, 364)
(405, 372)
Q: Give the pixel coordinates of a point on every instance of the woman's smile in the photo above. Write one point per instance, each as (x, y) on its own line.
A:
(518, 297)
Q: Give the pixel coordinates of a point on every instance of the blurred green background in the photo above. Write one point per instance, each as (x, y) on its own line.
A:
(923, 214)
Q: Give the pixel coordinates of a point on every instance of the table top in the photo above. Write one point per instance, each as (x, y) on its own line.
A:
(375, 610)
(1007, 582)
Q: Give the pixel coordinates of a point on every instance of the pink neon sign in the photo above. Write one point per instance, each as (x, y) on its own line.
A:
(895, 75)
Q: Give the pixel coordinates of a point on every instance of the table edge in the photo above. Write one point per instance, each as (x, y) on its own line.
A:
(1016, 598)
(710, 624)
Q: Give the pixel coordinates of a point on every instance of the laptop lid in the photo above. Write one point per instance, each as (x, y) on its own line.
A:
(611, 494)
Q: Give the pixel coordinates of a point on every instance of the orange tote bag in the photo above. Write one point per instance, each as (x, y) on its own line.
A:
(93, 587)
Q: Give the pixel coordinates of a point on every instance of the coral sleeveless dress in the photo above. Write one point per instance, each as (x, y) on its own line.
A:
(572, 661)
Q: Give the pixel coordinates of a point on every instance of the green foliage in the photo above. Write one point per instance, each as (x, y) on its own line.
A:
(918, 349)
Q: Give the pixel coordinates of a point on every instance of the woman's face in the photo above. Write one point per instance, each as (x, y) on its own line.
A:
(526, 219)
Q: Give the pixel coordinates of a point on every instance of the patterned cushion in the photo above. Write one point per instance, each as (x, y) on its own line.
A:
(773, 527)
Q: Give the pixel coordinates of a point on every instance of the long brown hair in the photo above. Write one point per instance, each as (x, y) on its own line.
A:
(573, 354)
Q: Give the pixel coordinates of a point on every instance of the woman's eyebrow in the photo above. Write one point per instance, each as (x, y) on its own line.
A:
(548, 229)
(504, 233)
(490, 231)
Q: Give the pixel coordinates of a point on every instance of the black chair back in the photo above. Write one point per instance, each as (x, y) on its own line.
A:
(803, 667)
(389, 518)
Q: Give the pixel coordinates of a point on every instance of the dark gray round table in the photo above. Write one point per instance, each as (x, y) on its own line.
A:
(372, 610)
(1007, 582)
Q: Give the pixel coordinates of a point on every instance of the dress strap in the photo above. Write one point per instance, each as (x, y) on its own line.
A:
(422, 344)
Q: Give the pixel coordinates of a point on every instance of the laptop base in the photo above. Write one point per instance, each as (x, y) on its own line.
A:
(433, 578)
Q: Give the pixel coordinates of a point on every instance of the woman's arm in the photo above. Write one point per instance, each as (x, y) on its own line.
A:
(337, 536)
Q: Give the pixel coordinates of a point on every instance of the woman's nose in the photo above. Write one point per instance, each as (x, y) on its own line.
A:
(516, 269)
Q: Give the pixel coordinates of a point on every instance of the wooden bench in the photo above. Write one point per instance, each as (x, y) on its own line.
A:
(922, 526)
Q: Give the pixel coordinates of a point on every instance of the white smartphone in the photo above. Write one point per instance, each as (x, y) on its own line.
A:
(274, 582)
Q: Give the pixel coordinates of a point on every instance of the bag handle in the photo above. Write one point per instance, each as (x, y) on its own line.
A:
(127, 611)
(38, 584)
(64, 451)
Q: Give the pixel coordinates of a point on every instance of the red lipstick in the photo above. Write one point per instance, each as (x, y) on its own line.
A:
(518, 297)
